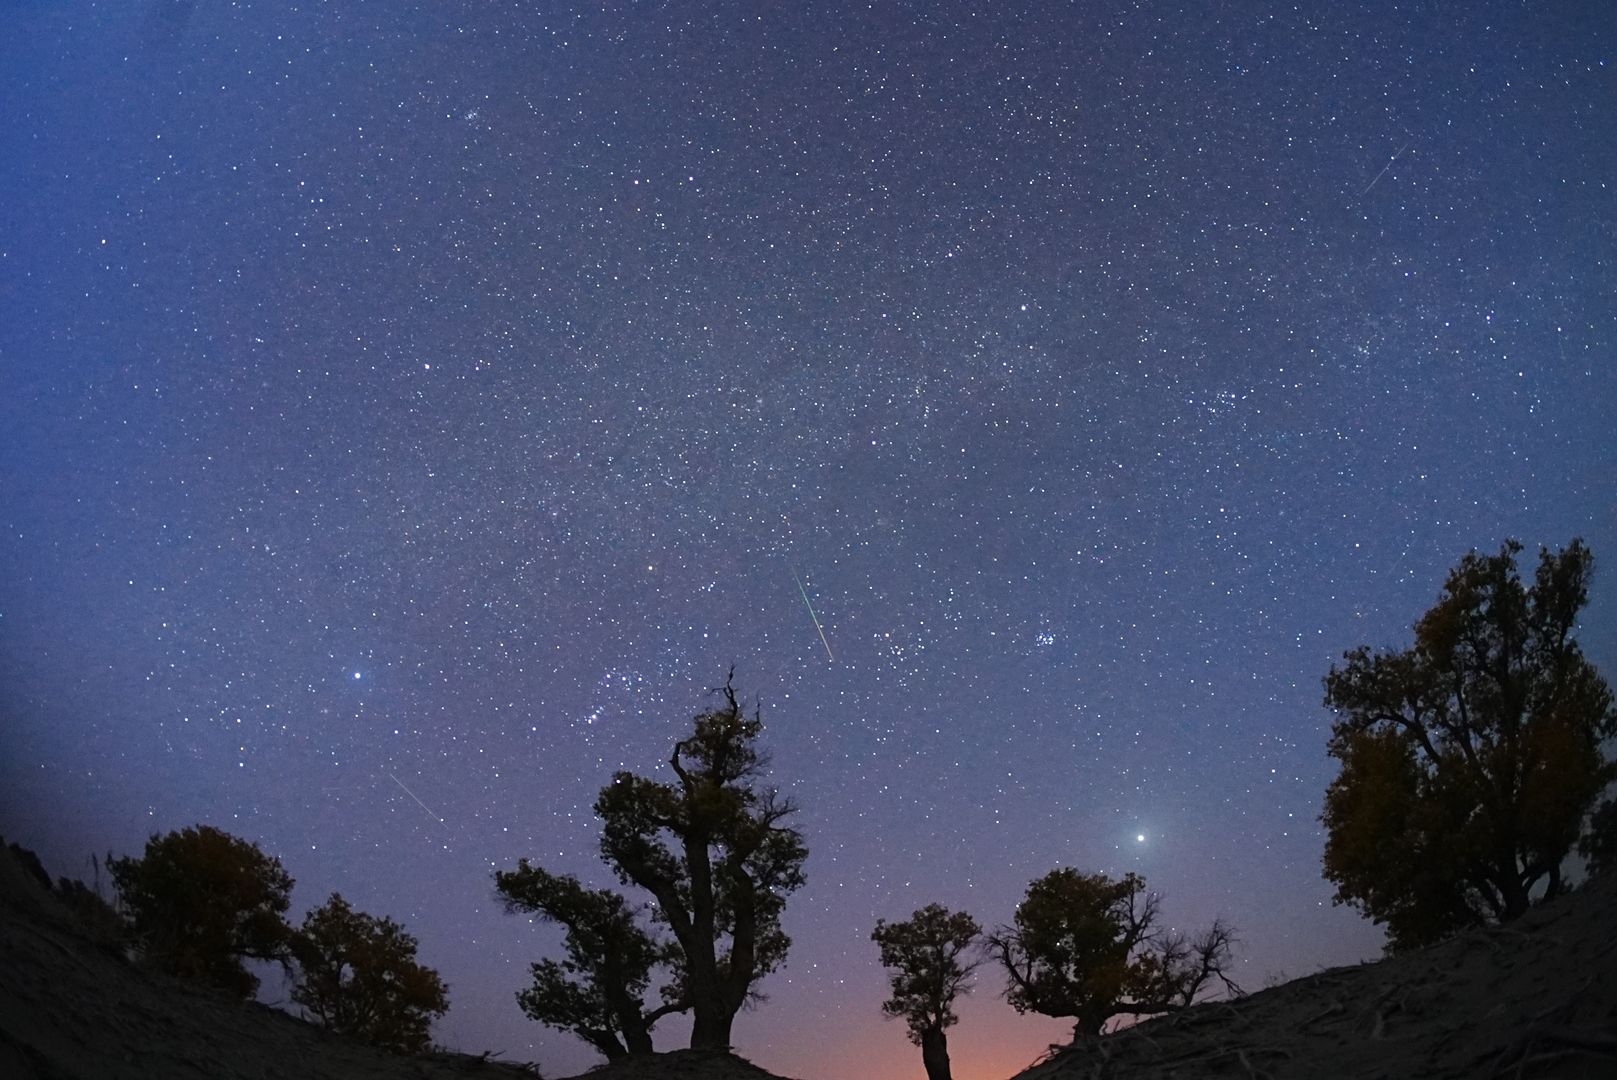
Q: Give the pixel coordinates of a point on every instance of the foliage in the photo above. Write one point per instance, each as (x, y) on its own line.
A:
(1599, 844)
(1470, 760)
(714, 852)
(926, 953)
(200, 901)
(598, 991)
(358, 976)
(1088, 947)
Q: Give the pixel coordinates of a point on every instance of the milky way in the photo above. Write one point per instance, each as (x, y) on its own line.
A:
(416, 408)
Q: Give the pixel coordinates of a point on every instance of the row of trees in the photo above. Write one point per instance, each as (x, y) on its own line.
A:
(718, 857)
(1084, 947)
(1471, 767)
(199, 903)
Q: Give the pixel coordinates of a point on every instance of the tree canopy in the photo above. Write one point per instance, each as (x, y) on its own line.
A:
(1471, 760)
(928, 956)
(598, 992)
(358, 975)
(1089, 947)
(715, 851)
(1599, 843)
(200, 901)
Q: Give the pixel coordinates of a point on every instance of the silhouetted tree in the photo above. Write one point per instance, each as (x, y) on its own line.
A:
(598, 992)
(358, 975)
(1469, 761)
(200, 901)
(927, 955)
(713, 849)
(1088, 947)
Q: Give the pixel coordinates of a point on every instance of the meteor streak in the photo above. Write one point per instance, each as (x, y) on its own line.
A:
(418, 802)
(1384, 169)
(804, 594)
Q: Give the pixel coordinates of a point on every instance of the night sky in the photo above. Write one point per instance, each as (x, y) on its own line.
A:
(409, 410)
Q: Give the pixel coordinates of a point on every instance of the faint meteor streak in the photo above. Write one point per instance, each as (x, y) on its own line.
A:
(418, 802)
(1384, 169)
(804, 594)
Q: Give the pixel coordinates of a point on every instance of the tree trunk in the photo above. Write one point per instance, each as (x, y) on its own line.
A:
(1514, 894)
(638, 1039)
(935, 1053)
(625, 1008)
(604, 1041)
(1555, 885)
(711, 1029)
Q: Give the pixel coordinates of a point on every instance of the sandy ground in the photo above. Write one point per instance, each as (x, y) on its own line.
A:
(1537, 999)
(682, 1065)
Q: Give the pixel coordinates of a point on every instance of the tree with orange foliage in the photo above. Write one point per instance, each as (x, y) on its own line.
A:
(201, 901)
(358, 975)
(1470, 761)
(1090, 947)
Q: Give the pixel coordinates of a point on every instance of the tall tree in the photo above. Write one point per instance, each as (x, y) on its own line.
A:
(714, 850)
(358, 975)
(200, 901)
(927, 953)
(1090, 948)
(1471, 760)
(598, 992)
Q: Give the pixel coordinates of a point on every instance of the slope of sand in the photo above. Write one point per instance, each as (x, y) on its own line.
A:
(1537, 998)
(71, 1009)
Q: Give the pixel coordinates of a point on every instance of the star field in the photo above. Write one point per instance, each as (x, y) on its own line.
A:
(410, 412)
